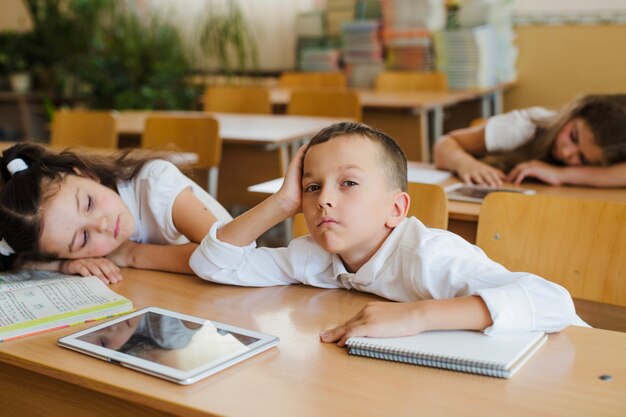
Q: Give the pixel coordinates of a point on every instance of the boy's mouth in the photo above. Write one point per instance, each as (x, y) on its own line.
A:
(326, 221)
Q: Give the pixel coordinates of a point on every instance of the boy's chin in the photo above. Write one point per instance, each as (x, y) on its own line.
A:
(328, 243)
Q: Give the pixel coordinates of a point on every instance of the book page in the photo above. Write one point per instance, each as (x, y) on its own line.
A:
(54, 298)
(31, 278)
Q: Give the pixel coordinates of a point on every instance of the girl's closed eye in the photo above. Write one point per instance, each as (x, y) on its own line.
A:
(574, 135)
(89, 202)
(85, 238)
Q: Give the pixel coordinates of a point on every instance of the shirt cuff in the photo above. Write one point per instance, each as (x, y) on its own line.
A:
(510, 308)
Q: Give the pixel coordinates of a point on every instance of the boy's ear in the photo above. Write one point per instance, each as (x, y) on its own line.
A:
(401, 204)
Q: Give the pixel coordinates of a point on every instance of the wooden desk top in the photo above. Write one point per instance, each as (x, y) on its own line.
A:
(422, 100)
(239, 128)
(304, 377)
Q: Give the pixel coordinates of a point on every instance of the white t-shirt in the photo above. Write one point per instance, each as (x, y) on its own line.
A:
(414, 263)
(150, 197)
(507, 131)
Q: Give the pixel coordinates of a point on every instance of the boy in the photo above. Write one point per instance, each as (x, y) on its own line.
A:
(351, 185)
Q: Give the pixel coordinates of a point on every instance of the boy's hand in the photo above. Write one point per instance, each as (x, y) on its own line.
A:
(380, 319)
(123, 255)
(290, 194)
(103, 268)
(477, 172)
(535, 169)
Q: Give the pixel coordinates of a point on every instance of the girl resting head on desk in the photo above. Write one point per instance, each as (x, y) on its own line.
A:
(582, 144)
(90, 214)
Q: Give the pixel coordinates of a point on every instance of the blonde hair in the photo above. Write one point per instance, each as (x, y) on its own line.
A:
(605, 114)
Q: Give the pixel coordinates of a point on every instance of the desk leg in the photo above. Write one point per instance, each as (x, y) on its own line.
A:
(485, 110)
(284, 158)
(437, 127)
(424, 137)
(498, 99)
(212, 181)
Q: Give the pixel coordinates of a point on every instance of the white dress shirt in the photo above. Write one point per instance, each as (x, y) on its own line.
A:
(150, 197)
(507, 131)
(414, 263)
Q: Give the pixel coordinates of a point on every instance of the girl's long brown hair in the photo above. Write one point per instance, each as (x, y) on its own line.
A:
(605, 114)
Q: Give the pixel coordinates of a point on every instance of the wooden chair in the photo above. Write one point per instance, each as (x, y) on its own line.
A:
(83, 128)
(579, 244)
(188, 134)
(313, 79)
(429, 204)
(409, 80)
(237, 100)
(325, 103)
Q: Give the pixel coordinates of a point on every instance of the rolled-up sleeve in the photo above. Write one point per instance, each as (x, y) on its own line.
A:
(517, 301)
(217, 261)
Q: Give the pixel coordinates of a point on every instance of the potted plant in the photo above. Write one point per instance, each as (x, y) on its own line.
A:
(16, 60)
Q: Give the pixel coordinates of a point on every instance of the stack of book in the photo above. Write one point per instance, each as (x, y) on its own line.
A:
(468, 56)
(319, 59)
(362, 52)
(406, 35)
(339, 12)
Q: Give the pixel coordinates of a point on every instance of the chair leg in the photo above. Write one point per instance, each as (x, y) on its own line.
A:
(212, 181)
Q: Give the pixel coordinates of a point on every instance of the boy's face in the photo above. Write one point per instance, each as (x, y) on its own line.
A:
(345, 198)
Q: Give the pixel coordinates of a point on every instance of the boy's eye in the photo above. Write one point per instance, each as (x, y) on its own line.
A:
(311, 188)
(349, 183)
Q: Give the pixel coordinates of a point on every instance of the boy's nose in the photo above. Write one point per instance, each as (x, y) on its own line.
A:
(325, 199)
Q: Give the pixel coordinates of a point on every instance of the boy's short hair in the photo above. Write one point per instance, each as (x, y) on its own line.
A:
(393, 158)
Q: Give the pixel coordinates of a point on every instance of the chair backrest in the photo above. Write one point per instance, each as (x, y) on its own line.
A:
(313, 79)
(199, 134)
(299, 228)
(579, 244)
(429, 204)
(83, 128)
(237, 100)
(411, 80)
(325, 103)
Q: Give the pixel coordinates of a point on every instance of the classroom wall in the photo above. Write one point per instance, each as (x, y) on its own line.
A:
(556, 63)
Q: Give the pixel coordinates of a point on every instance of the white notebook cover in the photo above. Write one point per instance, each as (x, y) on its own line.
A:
(467, 349)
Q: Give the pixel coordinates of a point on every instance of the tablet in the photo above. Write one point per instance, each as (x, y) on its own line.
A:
(169, 345)
(476, 193)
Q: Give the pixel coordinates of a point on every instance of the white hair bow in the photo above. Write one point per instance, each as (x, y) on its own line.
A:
(16, 166)
(5, 248)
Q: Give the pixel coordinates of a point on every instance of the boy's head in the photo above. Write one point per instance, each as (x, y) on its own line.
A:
(353, 190)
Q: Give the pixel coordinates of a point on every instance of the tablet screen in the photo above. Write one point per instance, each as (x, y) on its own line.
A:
(170, 341)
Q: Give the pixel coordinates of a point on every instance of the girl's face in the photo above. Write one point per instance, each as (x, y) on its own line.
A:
(84, 219)
(576, 145)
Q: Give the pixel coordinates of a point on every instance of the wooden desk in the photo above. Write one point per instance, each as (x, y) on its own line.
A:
(418, 104)
(303, 377)
(256, 147)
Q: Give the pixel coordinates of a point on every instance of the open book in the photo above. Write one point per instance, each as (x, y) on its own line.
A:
(36, 301)
(465, 351)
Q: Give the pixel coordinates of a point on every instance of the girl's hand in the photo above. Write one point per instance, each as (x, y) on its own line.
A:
(535, 169)
(103, 268)
(477, 172)
(123, 255)
(290, 193)
(380, 319)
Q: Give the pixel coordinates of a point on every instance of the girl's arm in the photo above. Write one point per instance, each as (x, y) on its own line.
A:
(384, 319)
(457, 151)
(191, 218)
(593, 176)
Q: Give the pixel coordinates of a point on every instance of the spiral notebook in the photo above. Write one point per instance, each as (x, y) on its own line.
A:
(464, 351)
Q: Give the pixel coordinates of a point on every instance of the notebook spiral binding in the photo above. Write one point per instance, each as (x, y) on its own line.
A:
(429, 360)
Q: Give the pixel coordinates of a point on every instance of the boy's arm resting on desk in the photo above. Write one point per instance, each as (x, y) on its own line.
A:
(383, 319)
(224, 263)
